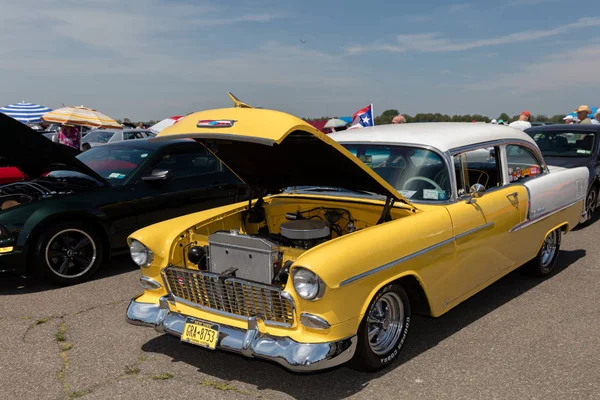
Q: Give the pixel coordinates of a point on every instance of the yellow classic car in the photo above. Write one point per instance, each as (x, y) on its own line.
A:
(347, 235)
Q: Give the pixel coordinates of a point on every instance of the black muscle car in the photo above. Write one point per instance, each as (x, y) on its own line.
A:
(76, 211)
(571, 146)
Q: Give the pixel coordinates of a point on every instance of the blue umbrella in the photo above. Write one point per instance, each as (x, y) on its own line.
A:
(25, 112)
(591, 115)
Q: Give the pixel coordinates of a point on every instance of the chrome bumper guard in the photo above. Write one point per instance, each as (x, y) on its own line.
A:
(295, 356)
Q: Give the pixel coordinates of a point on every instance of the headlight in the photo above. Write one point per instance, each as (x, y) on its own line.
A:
(140, 254)
(307, 284)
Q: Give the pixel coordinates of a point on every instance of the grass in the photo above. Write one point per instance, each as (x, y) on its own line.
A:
(131, 370)
(163, 377)
(41, 321)
(61, 335)
(78, 393)
(219, 385)
(66, 347)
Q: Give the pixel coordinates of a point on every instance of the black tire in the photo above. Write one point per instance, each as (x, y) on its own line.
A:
(544, 262)
(67, 253)
(591, 201)
(383, 347)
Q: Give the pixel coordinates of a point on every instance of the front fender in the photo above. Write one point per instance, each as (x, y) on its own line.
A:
(354, 267)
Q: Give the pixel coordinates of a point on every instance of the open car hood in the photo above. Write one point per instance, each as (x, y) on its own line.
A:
(34, 154)
(272, 150)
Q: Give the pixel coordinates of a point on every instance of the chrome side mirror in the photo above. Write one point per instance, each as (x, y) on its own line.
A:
(476, 191)
(157, 175)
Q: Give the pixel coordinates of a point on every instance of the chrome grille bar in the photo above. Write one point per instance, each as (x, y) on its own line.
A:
(231, 296)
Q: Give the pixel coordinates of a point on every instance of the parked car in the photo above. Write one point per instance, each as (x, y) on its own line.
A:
(80, 210)
(100, 137)
(331, 265)
(572, 146)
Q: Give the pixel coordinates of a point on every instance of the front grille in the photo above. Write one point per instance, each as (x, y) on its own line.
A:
(233, 296)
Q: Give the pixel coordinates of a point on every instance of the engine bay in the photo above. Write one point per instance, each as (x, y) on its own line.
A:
(15, 194)
(261, 243)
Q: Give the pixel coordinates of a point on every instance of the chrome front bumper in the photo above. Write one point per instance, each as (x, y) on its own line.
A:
(295, 356)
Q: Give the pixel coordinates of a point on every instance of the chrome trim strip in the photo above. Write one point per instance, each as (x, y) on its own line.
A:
(396, 262)
(474, 230)
(545, 215)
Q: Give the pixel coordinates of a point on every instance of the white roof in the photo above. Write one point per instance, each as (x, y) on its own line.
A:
(443, 136)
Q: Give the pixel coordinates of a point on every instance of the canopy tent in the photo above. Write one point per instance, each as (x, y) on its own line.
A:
(26, 113)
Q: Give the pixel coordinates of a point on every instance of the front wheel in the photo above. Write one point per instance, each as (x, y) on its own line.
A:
(68, 253)
(590, 204)
(383, 330)
(543, 264)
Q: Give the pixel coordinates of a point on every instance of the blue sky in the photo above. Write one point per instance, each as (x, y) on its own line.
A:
(148, 59)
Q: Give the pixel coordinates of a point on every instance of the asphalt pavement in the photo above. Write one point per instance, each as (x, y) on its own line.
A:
(522, 338)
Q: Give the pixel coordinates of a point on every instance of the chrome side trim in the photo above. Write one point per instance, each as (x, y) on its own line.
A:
(396, 262)
(542, 216)
(474, 230)
(295, 356)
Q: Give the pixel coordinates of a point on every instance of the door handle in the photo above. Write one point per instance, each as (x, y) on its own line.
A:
(515, 200)
(514, 194)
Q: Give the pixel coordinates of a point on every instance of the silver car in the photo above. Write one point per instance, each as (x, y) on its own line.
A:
(100, 137)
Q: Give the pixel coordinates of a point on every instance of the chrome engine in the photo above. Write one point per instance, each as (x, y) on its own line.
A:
(258, 258)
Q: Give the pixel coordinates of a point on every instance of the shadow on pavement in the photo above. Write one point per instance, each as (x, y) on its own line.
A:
(15, 284)
(342, 382)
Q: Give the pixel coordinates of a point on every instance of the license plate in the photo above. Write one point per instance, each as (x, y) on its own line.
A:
(200, 333)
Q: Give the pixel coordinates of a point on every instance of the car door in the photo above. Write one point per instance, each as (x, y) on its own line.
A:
(195, 180)
(482, 219)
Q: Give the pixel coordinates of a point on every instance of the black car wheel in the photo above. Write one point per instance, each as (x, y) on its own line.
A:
(543, 264)
(68, 253)
(590, 203)
(383, 330)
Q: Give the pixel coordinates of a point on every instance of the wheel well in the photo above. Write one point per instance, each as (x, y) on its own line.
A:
(61, 218)
(416, 294)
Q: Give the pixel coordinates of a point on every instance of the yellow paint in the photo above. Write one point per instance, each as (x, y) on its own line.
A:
(6, 249)
(453, 250)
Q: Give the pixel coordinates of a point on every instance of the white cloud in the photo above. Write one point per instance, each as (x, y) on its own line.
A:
(436, 43)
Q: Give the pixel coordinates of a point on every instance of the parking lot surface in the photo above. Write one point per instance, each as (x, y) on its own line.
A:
(522, 338)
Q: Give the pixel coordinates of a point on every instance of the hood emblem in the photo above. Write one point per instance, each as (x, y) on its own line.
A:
(211, 123)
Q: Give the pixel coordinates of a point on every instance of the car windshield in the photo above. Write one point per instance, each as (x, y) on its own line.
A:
(418, 174)
(114, 163)
(98, 137)
(564, 143)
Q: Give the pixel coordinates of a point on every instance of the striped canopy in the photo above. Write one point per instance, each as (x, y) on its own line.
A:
(25, 112)
(81, 116)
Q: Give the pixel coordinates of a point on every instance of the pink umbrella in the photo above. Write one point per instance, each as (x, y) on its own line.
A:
(165, 123)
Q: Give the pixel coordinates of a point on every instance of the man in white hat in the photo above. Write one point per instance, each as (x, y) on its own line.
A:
(569, 119)
(582, 113)
(596, 119)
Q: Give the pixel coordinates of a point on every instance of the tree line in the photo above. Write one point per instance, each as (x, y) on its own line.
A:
(387, 116)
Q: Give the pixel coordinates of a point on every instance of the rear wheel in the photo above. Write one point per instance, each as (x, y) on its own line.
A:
(68, 253)
(383, 330)
(590, 203)
(543, 264)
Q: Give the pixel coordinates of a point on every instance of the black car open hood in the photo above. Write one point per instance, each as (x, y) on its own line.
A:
(34, 154)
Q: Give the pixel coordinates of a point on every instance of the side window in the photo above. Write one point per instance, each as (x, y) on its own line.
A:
(189, 164)
(522, 163)
(480, 166)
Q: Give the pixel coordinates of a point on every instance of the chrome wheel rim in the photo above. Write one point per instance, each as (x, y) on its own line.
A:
(549, 248)
(70, 253)
(591, 203)
(385, 323)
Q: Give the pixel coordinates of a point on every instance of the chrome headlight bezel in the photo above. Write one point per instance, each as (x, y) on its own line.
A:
(307, 284)
(140, 254)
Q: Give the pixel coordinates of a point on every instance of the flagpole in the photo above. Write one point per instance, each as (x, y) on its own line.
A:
(373, 114)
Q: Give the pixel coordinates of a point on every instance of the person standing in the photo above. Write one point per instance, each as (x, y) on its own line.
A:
(582, 114)
(523, 122)
(596, 120)
(69, 136)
